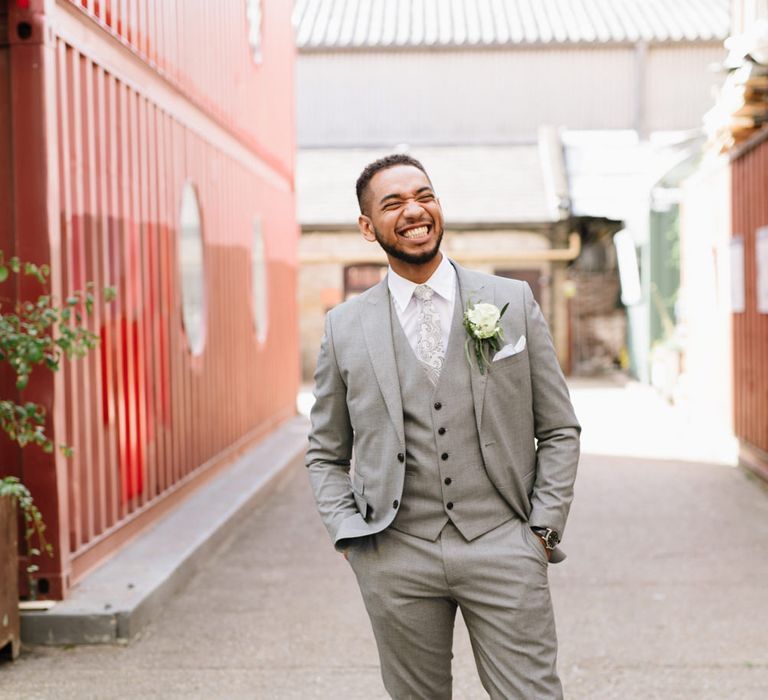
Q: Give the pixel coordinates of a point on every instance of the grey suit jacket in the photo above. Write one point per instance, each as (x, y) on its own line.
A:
(529, 434)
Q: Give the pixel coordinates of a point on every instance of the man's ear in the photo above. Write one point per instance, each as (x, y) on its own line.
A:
(365, 225)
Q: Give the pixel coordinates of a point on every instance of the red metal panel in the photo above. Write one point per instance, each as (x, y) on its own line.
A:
(142, 413)
(750, 328)
(91, 243)
(34, 211)
(188, 42)
(107, 330)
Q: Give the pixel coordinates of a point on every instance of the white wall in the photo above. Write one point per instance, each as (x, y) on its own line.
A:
(349, 98)
(679, 85)
(745, 12)
(706, 387)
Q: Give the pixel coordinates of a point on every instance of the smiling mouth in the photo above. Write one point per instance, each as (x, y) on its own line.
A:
(419, 232)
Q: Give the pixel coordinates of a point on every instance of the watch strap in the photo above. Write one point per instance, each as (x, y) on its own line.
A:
(551, 537)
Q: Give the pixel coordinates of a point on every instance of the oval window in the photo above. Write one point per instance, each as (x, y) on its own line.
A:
(259, 283)
(192, 270)
(253, 15)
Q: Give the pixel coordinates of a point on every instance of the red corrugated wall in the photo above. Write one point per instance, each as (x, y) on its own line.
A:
(750, 328)
(113, 107)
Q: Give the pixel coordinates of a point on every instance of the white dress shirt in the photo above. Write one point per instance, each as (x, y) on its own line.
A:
(442, 282)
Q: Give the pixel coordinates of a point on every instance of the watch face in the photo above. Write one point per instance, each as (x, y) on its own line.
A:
(551, 539)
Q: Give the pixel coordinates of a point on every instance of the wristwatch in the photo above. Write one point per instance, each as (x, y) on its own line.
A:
(550, 537)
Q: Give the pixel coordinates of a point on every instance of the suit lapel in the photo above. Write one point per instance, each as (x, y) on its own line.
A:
(377, 332)
(474, 288)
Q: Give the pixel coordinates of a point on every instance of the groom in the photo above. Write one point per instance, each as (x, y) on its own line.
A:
(462, 478)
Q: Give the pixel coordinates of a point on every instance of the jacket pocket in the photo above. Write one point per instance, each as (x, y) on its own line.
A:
(511, 361)
(358, 489)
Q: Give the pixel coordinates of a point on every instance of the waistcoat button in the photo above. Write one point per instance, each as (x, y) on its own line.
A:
(395, 503)
(444, 456)
(438, 405)
(400, 457)
(449, 505)
(441, 431)
(448, 480)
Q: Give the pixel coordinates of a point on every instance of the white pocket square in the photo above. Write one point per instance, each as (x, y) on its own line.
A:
(510, 349)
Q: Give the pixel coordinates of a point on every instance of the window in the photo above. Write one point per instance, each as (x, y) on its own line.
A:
(358, 278)
(253, 15)
(192, 270)
(533, 277)
(259, 283)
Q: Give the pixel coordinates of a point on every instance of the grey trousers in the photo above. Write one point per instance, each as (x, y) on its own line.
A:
(411, 588)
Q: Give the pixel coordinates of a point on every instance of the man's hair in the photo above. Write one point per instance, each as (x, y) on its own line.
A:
(382, 164)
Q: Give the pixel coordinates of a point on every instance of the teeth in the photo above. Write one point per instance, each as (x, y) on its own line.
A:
(416, 232)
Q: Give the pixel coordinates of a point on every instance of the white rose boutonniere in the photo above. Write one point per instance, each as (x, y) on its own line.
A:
(484, 331)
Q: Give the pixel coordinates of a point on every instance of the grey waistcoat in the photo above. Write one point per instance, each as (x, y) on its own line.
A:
(445, 477)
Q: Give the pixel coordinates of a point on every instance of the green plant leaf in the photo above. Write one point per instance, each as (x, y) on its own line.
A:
(36, 331)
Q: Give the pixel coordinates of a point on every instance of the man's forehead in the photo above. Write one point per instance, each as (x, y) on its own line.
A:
(399, 178)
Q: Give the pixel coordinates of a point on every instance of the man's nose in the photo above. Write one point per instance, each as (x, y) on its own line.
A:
(413, 210)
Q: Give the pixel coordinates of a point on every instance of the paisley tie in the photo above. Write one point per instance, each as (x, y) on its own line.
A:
(429, 341)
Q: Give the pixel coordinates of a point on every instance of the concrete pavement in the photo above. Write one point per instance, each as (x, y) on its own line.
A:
(663, 594)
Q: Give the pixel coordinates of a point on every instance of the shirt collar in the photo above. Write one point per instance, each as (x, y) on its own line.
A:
(442, 281)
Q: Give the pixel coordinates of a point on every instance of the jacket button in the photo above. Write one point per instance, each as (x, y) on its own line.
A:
(447, 480)
(395, 503)
(444, 456)
(400, 457)
(441, 431)
(438, 405)
(449, 505)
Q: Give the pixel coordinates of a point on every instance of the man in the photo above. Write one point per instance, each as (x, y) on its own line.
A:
(456, 463)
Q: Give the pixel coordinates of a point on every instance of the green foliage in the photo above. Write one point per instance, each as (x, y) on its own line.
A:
(38, 333)
(11, 487)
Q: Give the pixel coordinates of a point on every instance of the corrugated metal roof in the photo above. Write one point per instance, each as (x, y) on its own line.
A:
(335, 24)
(476, 184)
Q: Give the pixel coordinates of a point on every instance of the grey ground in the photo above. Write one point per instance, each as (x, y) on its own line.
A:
(664, 594)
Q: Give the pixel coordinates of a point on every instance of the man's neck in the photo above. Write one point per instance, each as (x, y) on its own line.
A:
(418, 274)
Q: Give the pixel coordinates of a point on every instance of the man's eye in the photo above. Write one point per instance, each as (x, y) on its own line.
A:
(426, 198)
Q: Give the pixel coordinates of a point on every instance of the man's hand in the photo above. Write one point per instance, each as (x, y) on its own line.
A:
(541, 539)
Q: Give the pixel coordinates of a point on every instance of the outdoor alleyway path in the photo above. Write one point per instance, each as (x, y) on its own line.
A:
(663, 595)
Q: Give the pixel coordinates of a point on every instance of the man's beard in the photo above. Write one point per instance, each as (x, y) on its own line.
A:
(410, 258)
